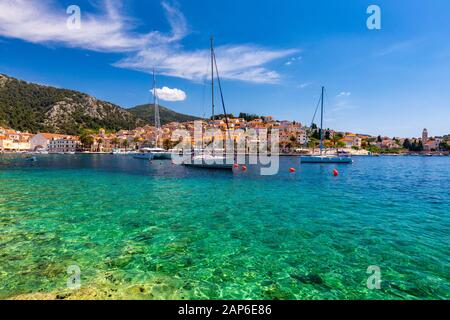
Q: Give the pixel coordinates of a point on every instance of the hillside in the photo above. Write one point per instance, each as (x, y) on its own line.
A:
(31, 107)
(147, 112)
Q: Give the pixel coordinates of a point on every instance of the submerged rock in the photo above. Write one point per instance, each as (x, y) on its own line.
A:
(308, 279)
(266, 283)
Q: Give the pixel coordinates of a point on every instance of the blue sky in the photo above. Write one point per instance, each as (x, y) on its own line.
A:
(273, 55)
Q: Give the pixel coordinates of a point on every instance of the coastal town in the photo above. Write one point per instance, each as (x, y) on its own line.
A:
(294, 138)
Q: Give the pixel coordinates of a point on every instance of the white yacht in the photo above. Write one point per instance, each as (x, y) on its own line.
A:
(144, 154)
(211, 160)
(324, 158)
(156, 153)
(161, 154)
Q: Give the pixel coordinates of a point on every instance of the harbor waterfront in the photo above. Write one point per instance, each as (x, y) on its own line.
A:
(153, 230)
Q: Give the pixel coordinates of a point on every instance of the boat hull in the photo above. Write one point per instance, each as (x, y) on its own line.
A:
(318, 159)
(217, 166)
(143, 156)
(162, 156)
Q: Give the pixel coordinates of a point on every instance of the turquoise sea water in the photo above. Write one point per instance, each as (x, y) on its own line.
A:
(157, 231)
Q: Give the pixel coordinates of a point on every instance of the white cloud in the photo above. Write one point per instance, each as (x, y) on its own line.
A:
(398, 47)
(343, 102)
(304, 85)
(168, 94)
(344, 94)
(292, 60)
(44, 22)
(109, 30)
(239, 62)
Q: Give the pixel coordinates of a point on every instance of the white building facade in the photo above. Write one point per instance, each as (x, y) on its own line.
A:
(63, 145)
(54, 143)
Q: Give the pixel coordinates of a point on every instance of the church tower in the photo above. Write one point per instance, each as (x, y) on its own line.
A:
(424, 136)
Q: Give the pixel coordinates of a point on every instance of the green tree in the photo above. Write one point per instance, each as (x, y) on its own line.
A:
(168, 144)
(340, 144)
(407, 144)
(444, 146)
(336, 141)
(373, 149)
(313, 144)
(87, 141)
(116, 142)
(135, 142)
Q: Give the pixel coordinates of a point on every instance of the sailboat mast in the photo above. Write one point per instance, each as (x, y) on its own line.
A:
(155, 105)
(321, 121)
(212, 75)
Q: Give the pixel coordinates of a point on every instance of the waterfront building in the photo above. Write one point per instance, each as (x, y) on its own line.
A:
(352, 140)
(431, 145)
(64, 144)
(11, 140)
(52, 142)
(388, 143)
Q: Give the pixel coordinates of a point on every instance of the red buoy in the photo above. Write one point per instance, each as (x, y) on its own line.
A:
(292, 170)
(244, 168)
(236, 165)
(335, 172)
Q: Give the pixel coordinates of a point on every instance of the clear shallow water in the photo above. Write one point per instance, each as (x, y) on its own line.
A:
(158, 231)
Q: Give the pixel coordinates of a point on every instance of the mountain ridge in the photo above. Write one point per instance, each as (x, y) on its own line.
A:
(147, 111)
(27, 106)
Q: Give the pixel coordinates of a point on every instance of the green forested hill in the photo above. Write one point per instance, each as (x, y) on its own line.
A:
(147, 112)
(31, 107)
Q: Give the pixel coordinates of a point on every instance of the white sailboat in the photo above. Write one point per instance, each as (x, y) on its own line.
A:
(155, 153)
(324, 158)
(158, 153)
(209, 159)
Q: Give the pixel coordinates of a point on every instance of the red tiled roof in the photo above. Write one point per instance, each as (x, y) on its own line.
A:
(58, 136)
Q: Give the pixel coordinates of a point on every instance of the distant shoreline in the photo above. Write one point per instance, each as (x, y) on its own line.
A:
(424, 154)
